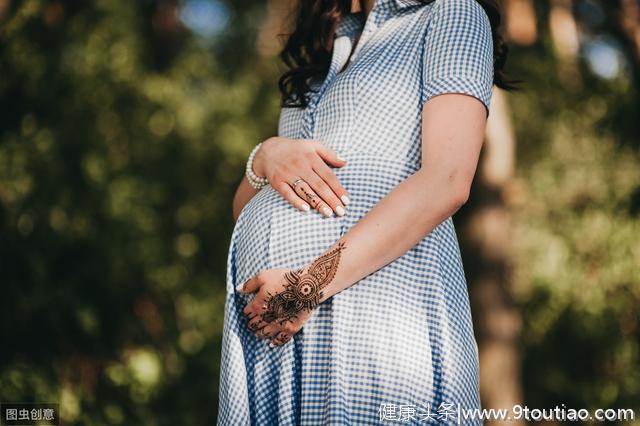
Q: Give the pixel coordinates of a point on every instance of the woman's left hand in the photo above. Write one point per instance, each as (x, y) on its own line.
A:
(285, 300)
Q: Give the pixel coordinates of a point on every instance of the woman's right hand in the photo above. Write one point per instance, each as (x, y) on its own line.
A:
(284, 160)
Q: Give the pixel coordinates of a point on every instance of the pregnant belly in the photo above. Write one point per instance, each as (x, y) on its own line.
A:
(271, 233)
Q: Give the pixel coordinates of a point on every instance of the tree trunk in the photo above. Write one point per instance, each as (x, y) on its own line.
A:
(521, 25)
(485, 244)
(566, 42)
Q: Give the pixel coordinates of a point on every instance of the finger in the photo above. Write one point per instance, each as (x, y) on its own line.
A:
(280, 339)
(332, 180)
(241, 288)
(321, 188)
(290, 195)
(256, 324)
(329, 155)
(267, 332)
(256, 306)
(252, 284)
(304, 190)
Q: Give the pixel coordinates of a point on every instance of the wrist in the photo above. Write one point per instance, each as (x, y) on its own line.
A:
(259, 160)
(324, 273)
(322, 291)
(256, 181)
(334, 287)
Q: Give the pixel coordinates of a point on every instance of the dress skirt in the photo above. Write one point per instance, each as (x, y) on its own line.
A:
(398, 343)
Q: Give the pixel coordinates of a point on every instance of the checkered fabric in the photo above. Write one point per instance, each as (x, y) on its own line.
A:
(398, 345)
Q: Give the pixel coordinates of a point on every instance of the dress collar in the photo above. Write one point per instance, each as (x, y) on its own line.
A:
(401, 4)
(352, 22)
(398, 4)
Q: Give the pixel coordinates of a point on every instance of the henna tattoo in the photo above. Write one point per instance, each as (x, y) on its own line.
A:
(303, 290)
(310, 197)
(284, 337)
(281, 339)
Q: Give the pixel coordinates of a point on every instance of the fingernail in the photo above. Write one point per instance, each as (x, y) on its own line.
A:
(271, 345)
(345, 200)
(305, 207)
(326, 211)
(239, 287)
(341, 159)
(339, 211)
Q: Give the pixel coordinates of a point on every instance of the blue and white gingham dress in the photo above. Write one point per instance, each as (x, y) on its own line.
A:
(397, 346)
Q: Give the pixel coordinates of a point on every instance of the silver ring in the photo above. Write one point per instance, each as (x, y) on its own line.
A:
(295, 182)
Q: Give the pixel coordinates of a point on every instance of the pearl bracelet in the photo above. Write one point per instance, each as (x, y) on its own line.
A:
(257, 182)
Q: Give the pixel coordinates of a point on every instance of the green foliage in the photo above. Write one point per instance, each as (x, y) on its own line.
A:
(120, 147)
(576, 252)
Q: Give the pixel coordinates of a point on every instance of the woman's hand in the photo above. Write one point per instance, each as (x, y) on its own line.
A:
(284, 160)
(287, 297)
(280, 307)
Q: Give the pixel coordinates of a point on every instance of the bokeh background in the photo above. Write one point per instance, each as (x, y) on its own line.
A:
(124, 130)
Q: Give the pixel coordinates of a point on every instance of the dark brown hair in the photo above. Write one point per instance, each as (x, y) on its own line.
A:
(307, 51)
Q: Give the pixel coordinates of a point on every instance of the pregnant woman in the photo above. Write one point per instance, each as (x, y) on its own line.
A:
(346, 296)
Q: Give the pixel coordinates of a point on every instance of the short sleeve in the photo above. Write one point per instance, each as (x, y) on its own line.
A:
(458, 51)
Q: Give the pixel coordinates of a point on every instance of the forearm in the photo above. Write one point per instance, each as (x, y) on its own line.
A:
(244, 194)
(406, 215)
